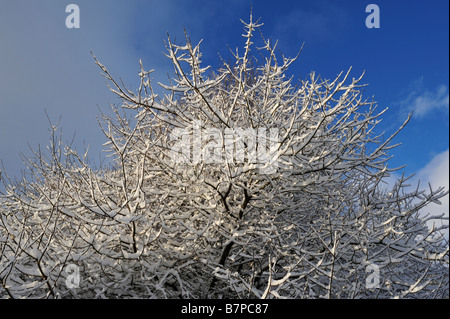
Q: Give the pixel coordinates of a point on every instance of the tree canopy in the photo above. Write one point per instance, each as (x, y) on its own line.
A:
(233, 183)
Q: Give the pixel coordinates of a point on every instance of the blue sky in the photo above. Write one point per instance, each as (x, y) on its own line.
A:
(46, 66)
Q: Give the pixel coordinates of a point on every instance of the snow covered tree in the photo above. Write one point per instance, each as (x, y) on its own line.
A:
(232, 184)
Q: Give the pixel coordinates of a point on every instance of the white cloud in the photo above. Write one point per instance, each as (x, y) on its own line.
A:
(429, 101)
(422, 101)
(436, 172)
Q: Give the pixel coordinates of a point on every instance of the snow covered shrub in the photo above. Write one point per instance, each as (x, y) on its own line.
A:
(197, 205)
